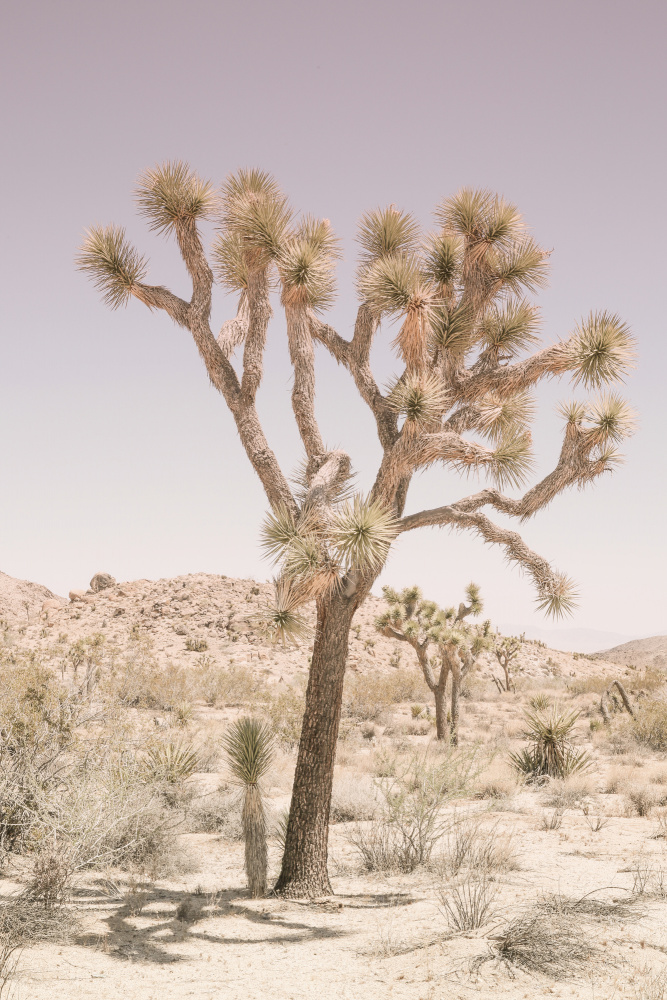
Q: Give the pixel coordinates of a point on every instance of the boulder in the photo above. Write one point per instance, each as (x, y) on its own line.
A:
(101, 581)
(51, 605)
(77, 595)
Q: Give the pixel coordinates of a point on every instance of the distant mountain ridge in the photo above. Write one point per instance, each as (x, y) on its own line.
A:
(649, 652)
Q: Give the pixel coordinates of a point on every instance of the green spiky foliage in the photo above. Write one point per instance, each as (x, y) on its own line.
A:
(112, 263)
(173, 193)
(442, 639)
(282, 619)
(249, 746)
(420, 398)
(551, 751)
(170, 762)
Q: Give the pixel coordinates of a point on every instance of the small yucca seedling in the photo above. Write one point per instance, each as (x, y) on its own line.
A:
(540, 702)
(249, 745)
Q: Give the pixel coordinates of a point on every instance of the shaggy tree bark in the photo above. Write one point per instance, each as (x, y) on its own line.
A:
(464, 324)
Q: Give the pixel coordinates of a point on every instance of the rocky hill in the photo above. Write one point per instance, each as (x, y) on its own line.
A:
(205, 613)
(651, 652)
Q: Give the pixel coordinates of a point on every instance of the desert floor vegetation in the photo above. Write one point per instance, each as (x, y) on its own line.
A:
(128, 867)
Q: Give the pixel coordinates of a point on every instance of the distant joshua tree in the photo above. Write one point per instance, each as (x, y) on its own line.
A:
(443, 641)
(462, 399)
(507, 649)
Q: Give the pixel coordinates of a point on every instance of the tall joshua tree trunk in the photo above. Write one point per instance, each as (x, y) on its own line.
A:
(462, 400)
(440, 695)
(304, 869)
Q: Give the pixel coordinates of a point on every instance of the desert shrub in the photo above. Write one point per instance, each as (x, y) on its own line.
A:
(595, 684)
(196, 645)
(231, 685)
(219, 812)
(552, 820)
(353, 799)
(285, 712)
(468, 905)
(368, 696)
(140, 681)
(411, 795)
(568, 793)
(545, 940)
(649, 726)
(477, 850)
(641, 799)
(550, 751)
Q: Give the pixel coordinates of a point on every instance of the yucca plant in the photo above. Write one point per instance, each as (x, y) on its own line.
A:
(551, 751)
(249, 745)
(171, 762)
(454, 307)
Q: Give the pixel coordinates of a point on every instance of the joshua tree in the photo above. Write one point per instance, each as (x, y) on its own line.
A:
(506, 650)
(249, 746)
(463, 399)
(456, 645)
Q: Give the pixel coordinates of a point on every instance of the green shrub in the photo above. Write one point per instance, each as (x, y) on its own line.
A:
(285, 711)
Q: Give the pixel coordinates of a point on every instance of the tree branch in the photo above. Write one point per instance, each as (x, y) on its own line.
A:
(303, 392)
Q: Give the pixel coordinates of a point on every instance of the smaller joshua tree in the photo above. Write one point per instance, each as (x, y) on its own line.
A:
(249, 746)
(443, 641)
(506, 650)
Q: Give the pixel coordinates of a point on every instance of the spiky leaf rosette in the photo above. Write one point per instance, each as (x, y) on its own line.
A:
(503, 417)
(558, 597)
(230, 263)
(390, 283)
(509, 330)
(454, 328)
(512, 460)
(281, 529)
(387, 232)
(173, 193)
(602, 350)
(481, 217)
(113, 264)
(442, 261)
(307, 271)
(611, 418)
(256, 211)
(420, 398)
(361, 533)
(281, 618)
(249, 746)
(522, 267)
(474, 599)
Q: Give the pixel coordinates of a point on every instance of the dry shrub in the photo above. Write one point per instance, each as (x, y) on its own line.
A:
(477, 850)
(285, 712)
(641, 799)
(233, 685)
(367, 696)
(595, 684)
(468, 905)
(547, 940)
(411, 795)
(141, 682)
(568, 793)
(219, 812)
(189, 911)
(653, 985)
(353, 799)
(650, 724)
(499, 782)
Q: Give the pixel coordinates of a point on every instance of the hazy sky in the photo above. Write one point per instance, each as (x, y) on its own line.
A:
(116, 453)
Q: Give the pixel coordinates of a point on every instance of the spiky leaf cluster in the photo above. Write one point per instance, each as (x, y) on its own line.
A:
(172, 193)
(307, 266)
(257, 214)
(510, 329)
(601, 351)
(420, 398)
(249, 746)
(112, 263)
(282, 619)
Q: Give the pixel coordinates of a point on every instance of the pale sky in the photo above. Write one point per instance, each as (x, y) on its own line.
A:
(117, 454)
